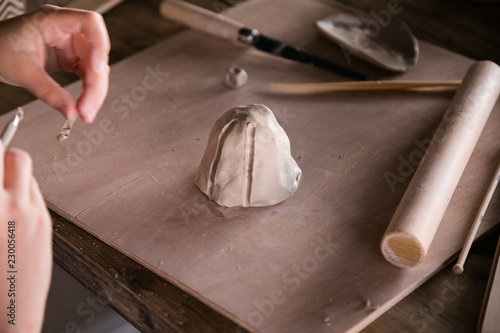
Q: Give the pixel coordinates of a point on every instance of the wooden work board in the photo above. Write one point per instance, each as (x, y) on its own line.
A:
(309, 264)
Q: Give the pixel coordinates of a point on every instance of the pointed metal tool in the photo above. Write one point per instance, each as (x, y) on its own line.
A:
(11, 127)
(226, 28)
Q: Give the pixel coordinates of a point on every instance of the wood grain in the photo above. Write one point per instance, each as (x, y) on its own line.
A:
(280, 246)
(133, 292)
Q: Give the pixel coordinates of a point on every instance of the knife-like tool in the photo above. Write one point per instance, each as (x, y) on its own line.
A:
(223, 27)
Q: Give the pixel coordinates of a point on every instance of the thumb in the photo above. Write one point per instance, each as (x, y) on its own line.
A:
(49, 91)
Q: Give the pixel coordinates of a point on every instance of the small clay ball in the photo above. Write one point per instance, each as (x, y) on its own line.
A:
(235, 77)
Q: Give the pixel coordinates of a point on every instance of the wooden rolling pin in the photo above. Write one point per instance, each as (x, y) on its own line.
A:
(416, 220)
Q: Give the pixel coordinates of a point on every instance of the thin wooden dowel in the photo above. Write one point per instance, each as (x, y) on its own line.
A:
(459, 267)
(311, 88)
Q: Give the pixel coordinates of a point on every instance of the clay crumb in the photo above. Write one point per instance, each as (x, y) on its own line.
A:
(20, 113)
(65, 130)
(235, 77)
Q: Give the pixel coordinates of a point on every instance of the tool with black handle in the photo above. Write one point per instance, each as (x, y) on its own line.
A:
(226, 28)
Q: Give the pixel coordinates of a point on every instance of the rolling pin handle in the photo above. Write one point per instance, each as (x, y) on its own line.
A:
(201, 19)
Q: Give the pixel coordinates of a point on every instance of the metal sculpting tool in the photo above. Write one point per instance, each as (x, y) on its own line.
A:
(223, 27)
(11, 127)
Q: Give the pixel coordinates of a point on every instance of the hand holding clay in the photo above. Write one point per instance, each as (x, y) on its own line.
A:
(247, 161)
(52, 39)
(26, 243)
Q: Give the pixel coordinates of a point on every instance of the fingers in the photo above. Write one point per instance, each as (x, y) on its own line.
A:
(17, 172)
(90, 43)
(18, 180)
(74, 40)
(95, 89)
(95, 70)
(95, 85)
(97, 36)
(49, 91)
(90, 24)
(37, 199)
(2, 150)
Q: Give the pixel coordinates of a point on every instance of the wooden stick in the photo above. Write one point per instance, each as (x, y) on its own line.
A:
(416, 220)
(489, 320)
(99, 6)
(459, 267)
(311, 88)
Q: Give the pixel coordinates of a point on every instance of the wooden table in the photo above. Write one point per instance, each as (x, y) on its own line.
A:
(152, 304)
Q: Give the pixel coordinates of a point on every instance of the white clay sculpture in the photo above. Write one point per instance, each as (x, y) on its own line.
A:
(247, 161)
